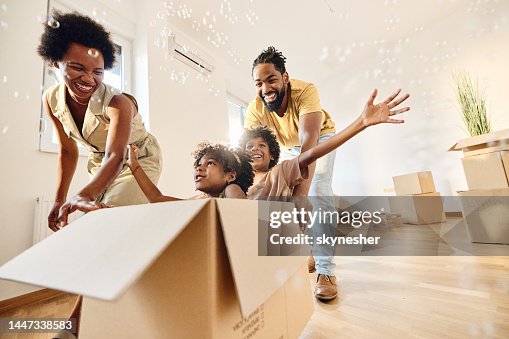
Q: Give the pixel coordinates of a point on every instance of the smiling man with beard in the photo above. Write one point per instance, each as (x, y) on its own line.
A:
(292, 109)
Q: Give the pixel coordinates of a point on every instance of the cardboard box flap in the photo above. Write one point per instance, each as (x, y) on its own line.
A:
(494, 192)
(103, 253)
(256, 277)
(481, 139)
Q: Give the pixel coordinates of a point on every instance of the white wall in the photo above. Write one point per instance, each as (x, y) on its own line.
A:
(421, 65)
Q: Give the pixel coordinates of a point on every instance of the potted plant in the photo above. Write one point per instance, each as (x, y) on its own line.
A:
(472, 103)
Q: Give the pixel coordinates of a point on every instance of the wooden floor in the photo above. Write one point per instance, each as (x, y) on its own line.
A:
(390, 297)
(416, 297)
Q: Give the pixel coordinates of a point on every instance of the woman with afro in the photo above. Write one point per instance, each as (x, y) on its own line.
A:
(85, 110)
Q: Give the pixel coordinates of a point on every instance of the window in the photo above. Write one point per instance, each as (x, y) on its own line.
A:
(236, 111)
(119, 77)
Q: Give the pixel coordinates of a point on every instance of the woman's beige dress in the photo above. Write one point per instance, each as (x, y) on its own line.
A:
(124, 190)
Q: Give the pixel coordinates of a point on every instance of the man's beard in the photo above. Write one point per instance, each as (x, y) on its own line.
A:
(276, 104)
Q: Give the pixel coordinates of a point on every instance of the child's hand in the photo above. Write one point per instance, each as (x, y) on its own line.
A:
(132, 160)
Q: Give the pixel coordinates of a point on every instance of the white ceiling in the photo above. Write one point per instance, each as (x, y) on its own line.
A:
(319, 37)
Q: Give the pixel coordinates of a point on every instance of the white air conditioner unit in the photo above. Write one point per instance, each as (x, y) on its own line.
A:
(185, 50)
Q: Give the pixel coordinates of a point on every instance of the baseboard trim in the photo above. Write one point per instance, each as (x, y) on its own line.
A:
(11, 304)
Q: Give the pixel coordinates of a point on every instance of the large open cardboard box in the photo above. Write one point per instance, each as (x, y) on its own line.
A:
(486, 215)
(186, 269)
(486, 160)
(485, 143)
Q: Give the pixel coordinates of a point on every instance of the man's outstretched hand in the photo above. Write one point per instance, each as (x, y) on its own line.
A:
(383, 111)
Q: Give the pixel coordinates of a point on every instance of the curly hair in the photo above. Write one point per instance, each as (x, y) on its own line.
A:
(271, 56)
(233, 160)
(268, 136)
(75, 28)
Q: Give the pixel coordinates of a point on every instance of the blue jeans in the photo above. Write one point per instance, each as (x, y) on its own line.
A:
(321, 186)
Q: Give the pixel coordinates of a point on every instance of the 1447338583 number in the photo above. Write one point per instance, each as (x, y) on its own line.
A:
(36, 325)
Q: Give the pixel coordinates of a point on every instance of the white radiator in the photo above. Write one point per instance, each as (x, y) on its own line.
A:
(43, 206)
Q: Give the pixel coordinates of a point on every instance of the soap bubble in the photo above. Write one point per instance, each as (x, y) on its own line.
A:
(168, 4)
(196, 25)
(203, 78)
(164, 32)
(161, 15)
(182, 77)
(184, 11)
(53, 23)
(252, 17)
(173, 75)
(93, 53)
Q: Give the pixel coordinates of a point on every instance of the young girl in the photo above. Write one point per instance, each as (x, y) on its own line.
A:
(219, 172)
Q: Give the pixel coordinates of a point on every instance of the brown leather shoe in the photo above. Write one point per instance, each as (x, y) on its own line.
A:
(311, 264)
(326, 288)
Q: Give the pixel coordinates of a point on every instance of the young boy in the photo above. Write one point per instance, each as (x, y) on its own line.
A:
(279, 180)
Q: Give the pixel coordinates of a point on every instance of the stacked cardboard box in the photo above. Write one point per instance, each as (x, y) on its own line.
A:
(186, 269)
(416, 200)
(485, 160)
(485, 205)
(486, 215)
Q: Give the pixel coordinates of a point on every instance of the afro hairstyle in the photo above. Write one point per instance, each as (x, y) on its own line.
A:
(233, 160)
(268, 136)
(74, 28)
(271, 56)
